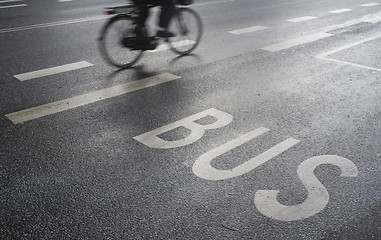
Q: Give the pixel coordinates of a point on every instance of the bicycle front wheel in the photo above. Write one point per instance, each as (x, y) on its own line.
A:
(111, 44)
(187, 26)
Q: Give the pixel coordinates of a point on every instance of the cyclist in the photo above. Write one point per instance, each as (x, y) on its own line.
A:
(167, 11)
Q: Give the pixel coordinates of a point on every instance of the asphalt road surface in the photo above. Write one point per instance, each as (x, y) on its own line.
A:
(269, 130)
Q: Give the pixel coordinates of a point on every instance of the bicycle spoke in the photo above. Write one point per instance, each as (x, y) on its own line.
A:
(187, 26)
(112, 48)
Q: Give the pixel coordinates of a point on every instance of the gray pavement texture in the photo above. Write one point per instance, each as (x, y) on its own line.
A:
(80, 174)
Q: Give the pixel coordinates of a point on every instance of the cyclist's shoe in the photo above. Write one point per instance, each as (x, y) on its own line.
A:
(151, 45)
(140, 43)
(165, 34)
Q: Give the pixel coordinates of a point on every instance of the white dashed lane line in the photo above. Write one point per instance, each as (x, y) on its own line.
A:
(341, 10)
(53, 70)
(51, 24)
(296, 41)
(370, 5)
(247, 30)
(301, 19)
(74, 102)
(13, 6)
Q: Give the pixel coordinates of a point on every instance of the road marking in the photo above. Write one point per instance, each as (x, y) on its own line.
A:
(152, 139)
(301, 19)
(43, 25)
(74, 102)
(165, 46)
(324, 55)
(317, 199)
(211, 2)
(341, 10)
(64, 0)
(247, 30)
(373, 18)
(53, 70)
(297, 41)
(370, 4)
(203, 168)
(7, 1)
(13, 6)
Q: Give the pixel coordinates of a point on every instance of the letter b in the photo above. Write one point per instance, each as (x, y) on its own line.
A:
(152, 140)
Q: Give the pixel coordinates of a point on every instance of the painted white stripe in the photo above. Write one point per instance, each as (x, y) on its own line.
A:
(324, 55)
(296, 41)
(165, 46)
(301, 19)
(53, 70)
(374, 18)
(74, 102)
(7, 1)
(13, 6)
(43, 25)
(211, 2)
(341, 10)
(64, 0)
(371, 18)
(247, 30)
(370, 4)
(348, 46)
(351, 64)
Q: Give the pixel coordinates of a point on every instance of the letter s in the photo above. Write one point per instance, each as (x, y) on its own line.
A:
(318, 197)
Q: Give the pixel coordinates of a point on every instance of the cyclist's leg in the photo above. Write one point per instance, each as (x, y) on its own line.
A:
(141, 20)
(166, 14)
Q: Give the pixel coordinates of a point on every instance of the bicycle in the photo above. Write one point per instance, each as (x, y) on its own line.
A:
(122, 44)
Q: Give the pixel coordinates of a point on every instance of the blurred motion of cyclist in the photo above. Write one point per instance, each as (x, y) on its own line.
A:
(167, 11)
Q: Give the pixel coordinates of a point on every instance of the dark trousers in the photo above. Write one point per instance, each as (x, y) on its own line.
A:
(167, 11)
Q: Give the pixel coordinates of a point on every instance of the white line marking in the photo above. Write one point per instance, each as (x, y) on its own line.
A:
(13, 6)
(43, 25)
(301, 19)
(74, 102)
(324, 55)
(247, 30)
(64, 0)
(373, 18)
(370, 5)
(53, 70)
(296, 41)
(348, 46)
(341, 10)
(165, 46)
(352, 64)
(7, 1)
(211, 2)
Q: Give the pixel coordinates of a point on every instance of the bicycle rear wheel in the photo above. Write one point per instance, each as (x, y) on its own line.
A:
(111, 45)
(187, 26)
